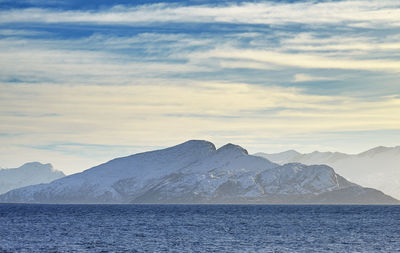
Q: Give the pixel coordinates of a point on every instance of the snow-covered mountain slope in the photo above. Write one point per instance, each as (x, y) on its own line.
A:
(28, 174)
(376, 168)
(197, 172)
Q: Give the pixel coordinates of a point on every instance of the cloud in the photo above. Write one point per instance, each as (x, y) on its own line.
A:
(307, 78)
(20, 33)
(152, 57)
(140, 111)
(361, 44)
(40, 64)
(301, 60)
(357, 13)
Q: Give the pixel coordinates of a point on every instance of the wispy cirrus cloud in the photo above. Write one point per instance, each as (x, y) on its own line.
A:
(341, 43)
(313, 61)
(357, 13)
(336, 43)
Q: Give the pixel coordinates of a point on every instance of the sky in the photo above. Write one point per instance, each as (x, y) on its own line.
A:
(82, 82)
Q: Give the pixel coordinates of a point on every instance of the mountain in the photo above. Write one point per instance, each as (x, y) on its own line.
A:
(28, 174)
(280, 158)
(376, 168)
(197, 172)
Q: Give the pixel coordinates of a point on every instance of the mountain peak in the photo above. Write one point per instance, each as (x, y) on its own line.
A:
(375, 151)
(31, 165)
(232, 148)
(28, 174)
(290, 152)
(193, 144)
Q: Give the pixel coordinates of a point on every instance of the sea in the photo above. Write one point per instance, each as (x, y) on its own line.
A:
(199, 228)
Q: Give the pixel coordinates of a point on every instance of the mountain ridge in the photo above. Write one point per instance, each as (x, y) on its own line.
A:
(377, 167)
(196, 172)
(30, 173)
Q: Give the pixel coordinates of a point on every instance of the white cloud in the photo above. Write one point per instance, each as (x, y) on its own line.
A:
(14, 32)
(306, 41)
(36, 64)
(39, 60)
(306, 78)
(369, 14)
(302, 60)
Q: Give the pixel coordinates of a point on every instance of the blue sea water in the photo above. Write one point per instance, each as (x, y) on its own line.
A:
(199, 228)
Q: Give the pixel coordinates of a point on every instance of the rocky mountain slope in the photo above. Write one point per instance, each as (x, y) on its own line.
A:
(28, 174)
(376, 168)
(197, 172)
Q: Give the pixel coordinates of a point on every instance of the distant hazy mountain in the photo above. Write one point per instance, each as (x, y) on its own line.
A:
(28, 174)
(376, 168)
(195, 172)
